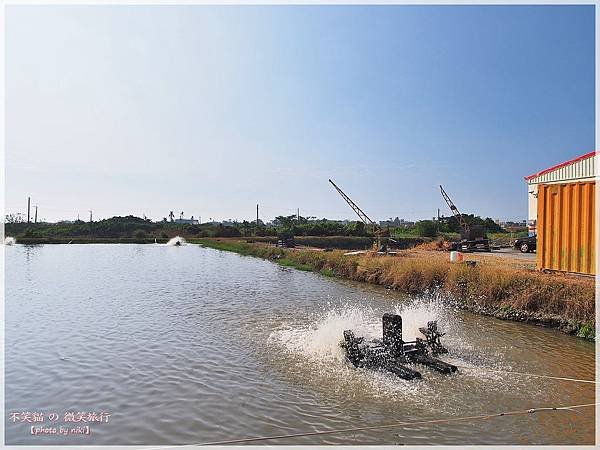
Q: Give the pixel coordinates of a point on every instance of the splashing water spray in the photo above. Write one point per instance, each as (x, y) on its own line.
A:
(176, 241)
(321, 338)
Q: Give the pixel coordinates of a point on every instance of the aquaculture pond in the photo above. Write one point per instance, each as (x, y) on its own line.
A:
(161, 344)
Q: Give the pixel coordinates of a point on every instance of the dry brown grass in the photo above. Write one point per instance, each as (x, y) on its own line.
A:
(439, 245)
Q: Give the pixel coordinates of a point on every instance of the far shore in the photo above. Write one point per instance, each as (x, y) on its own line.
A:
(338, 242)
(94, 240)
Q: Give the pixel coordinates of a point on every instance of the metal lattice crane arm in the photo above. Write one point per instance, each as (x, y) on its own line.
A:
(455, 211)
(359, 212)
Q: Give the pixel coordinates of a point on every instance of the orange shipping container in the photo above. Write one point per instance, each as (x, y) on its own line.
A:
(566, 227)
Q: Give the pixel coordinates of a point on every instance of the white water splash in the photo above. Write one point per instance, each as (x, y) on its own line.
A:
(321, 339)
(176, 241)
(312, 351)
(9, 240)
(415, 315)
(309, 351)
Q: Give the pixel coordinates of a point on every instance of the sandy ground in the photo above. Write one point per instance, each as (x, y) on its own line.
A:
(508, 256)
(512, 254)
(505, 256)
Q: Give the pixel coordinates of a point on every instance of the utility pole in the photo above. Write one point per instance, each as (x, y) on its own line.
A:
(35, 220)
(90, 215)
(257, 214)
(28, 208)
(298, 215)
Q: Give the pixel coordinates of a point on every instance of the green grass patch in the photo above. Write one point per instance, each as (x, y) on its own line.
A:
(587, 331)
(294, 264)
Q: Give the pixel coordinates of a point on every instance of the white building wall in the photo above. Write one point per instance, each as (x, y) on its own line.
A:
(532, 190)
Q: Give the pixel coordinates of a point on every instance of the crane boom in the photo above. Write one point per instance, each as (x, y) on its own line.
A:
(455, 211)
(377, 231)
(359, 212)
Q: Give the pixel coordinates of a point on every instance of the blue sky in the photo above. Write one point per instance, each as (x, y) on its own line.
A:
(209, 110)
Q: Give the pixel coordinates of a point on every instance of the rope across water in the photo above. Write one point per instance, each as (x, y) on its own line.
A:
(551, 377)
(421, 422)
(382, 426)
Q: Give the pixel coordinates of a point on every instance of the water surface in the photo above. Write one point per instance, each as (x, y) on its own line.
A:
(190, 345)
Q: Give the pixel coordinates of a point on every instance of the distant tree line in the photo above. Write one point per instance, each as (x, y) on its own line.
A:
(142, 228)
(431, 228)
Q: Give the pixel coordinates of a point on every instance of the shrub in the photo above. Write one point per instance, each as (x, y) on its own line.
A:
(224, 231)
(587, 331)
(426, 228)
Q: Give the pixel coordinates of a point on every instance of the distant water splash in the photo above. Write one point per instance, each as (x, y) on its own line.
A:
(9, 240)
(176, 241)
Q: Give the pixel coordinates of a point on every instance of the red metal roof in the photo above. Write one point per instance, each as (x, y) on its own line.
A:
(558, 166)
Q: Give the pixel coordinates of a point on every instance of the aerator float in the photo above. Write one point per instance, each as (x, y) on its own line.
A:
(391, 353)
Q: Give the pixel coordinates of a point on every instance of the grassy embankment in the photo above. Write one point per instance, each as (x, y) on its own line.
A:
(493, 287)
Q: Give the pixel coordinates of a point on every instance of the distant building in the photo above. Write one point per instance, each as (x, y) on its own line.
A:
(190, 221)
(396, 223)
(510, 225)
(562, 214)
